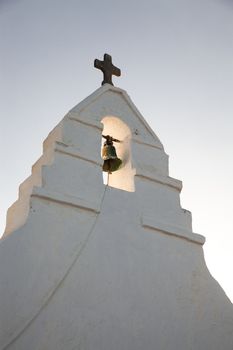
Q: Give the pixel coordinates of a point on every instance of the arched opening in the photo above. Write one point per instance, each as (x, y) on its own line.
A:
(123, 178)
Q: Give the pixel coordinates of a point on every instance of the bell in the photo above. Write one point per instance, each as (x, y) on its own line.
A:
(109, 155)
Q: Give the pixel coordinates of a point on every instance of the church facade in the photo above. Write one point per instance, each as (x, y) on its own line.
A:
(94, 264)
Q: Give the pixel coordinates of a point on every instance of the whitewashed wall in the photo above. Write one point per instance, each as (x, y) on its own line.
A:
(93, 267)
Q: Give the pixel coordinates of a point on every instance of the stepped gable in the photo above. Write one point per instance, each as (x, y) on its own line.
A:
(88, 265)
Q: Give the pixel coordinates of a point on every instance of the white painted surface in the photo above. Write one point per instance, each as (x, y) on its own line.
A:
(97, 267)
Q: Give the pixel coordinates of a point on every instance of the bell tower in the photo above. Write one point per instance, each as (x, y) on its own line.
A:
(98, 266)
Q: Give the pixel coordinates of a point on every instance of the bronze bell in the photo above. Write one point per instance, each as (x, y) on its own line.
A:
(111, 161)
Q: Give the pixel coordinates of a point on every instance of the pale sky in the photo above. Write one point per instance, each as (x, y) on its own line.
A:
(176, 58)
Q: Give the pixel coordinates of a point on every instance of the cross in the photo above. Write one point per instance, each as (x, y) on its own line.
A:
(107, 68)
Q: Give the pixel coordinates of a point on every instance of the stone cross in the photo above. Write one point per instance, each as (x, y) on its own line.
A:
(107, 68)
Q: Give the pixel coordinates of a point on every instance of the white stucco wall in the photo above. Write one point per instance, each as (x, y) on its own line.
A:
(97, 267)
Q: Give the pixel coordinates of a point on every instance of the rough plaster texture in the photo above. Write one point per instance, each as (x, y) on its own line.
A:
(92, 267)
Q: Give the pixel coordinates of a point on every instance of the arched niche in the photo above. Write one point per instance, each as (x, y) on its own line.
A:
(124, 177)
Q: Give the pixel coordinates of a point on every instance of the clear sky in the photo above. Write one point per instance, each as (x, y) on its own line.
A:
(176, 58)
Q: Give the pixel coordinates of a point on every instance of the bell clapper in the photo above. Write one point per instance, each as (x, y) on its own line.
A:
(111, 161)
